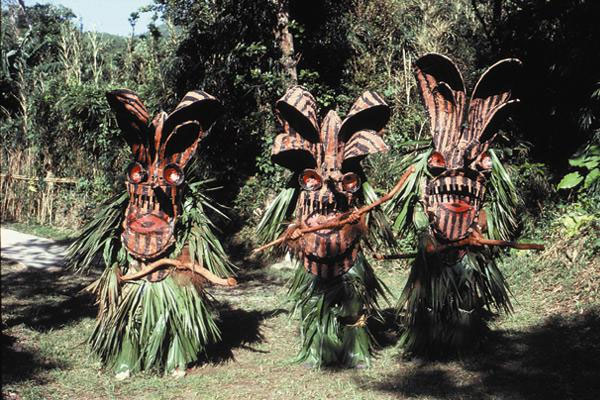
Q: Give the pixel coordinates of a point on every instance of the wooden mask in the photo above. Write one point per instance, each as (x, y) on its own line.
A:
(326, 160)
(460, 164)
(161, 149)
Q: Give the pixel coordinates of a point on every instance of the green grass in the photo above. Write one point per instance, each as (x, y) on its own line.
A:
(549, 347)
(44, 231)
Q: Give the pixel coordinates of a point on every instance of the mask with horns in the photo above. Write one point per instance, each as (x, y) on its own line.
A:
(161, 149)
(325, 159)
(460, 164)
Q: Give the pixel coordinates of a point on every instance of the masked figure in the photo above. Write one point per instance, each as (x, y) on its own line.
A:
(328, 185)
(150, 269)
(454, 283)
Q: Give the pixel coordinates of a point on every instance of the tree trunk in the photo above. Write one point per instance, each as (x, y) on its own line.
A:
(285, 40)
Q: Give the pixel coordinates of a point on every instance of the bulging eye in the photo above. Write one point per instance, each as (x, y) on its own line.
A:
(173, 175)
(351, 182)
(484, 163)
(310, 180)
(136, 173)
(436, 162)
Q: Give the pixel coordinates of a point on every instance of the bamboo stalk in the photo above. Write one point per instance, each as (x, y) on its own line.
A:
(148, 269)
(33, 178)
(343, 219)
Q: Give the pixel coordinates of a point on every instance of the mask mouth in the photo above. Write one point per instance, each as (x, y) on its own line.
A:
(454, 201)
(327, 253)
(321, 217)
(147, 224)
(456, 192)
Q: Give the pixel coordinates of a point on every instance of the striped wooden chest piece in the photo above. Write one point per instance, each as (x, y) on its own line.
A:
(161, 149)
(326, 160)
(460, 164)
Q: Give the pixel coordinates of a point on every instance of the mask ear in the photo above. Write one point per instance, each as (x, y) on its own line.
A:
(132, 118)
(362, 144)
(369, 112)
(491, 101)
(293, 152)
(443, 93)
(195, 106)
(185, 126)
(299, 109)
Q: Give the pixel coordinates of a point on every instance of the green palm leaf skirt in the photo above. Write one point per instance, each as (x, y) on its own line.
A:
(161, 325)
(145, 325)
(334, 315)
(448, 302)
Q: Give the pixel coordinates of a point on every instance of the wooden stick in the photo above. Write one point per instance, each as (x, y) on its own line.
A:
(462, 243)
(479, 241)
(381, 257)
(342, 219)
(514, 245)
(148, 269)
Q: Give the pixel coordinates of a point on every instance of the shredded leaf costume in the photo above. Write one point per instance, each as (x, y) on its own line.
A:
(458, 193)
(159, 247)
(334, 288)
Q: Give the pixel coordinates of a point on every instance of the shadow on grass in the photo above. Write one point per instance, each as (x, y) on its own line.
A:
(43, 300)
(385, 332)
(239, 329)
(558, 359)
(21, 363)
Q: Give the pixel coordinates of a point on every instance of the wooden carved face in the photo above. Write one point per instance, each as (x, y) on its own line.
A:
(460, 163)
(326, 159)
(161, 149)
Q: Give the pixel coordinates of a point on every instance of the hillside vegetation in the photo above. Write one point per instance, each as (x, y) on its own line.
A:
(62, 156)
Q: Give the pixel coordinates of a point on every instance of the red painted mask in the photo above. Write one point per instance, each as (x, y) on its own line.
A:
(460, 163)
(161, 149)
(326, 159)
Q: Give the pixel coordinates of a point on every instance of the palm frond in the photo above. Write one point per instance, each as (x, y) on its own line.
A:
(196, 230)
(271, 225)
(446, 307)
(101, 234)
(404, 202)
(153, 326)
(380, 232)
(334, 315)
(502, 202)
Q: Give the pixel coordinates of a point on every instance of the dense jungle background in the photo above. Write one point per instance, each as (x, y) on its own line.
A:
(62, 154)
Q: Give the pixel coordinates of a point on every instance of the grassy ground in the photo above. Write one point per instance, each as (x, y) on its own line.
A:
(548, 349)
(44, 231)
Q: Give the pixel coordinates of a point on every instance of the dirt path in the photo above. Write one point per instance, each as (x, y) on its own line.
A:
(32, 251)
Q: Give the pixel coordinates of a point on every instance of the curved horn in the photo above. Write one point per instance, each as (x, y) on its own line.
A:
(187, 124)
(298, 108)
(133, 119)
(369, 112)
(443, 93)
(492, 92)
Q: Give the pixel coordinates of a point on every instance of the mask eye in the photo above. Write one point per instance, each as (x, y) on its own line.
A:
(484, 163)
(436, 162)
(173, 175)
(136, 173)
(310, 180)
(351, 182)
